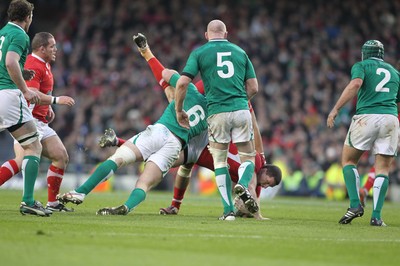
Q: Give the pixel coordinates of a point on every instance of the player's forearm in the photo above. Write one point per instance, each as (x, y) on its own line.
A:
(348, 93)
(44, 98)
(251, 88)
(16, 75)
(180, 94)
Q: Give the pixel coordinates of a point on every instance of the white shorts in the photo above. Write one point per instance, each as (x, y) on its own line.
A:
(196, 146)
(13, 109)
(159, 145)
(44, 130)
(236, 126)
(378, 133)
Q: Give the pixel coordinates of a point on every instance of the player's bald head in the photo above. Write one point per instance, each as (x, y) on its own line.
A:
(216, 29)
(216, 26)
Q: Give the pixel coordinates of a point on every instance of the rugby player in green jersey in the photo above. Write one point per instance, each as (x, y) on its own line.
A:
(15, 115)
(374, 127)
(229, 82)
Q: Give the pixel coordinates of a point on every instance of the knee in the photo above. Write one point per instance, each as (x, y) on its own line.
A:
(219, 157)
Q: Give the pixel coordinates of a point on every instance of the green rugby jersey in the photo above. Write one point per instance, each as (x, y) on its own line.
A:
(12, 38)
(379, 92)
(195, 105)
(224, 69)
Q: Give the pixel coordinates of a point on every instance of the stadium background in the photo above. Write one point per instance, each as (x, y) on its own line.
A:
(302, 55)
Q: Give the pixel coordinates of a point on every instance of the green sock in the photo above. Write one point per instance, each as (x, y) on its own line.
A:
(352, 178)
(104, 170)
(137, 196)
(246, 171)
(381, 184)
(30, 170)
(224, 184)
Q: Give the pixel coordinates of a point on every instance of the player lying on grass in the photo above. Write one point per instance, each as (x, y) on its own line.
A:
(266, 175)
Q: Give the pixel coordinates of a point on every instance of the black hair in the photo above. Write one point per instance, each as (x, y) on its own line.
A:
(274, 171)
(18, 10)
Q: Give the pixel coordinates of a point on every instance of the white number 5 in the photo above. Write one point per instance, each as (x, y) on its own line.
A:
(227, 63)
(380, 87)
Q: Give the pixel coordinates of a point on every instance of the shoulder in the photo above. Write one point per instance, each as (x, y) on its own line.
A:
(35, 64)
(358, 65)
(32, 62)
(200, 49)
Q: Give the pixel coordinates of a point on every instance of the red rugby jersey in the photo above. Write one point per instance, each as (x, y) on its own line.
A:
(43, 81)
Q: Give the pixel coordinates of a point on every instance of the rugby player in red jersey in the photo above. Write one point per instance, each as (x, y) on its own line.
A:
(41, 80)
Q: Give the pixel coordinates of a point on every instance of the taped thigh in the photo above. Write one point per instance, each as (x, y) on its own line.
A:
(219, 157)
(124, 153)
(247, 154)
(27, 139)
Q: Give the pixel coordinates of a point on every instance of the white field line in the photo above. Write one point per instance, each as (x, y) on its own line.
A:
(252, 237)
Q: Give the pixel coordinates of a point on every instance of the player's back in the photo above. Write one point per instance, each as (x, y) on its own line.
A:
(224, 71)
(379, 91)
(12, 38)
(195, 105)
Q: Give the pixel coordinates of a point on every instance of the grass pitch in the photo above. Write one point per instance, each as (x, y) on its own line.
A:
(300, 232)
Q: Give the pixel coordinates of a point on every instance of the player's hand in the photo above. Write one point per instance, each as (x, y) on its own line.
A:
(258, 216)
(32, 96)
(50, 115)
(331, 118)
(28, 74)
(183, 119)
(66, 100)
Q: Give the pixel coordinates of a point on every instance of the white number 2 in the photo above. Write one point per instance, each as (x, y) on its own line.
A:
(380, 87)
(2, 38)
(226, 63)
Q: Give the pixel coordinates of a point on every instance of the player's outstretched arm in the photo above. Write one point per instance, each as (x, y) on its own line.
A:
(49, 99)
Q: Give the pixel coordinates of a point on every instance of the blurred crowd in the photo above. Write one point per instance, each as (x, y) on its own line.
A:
(302, 53)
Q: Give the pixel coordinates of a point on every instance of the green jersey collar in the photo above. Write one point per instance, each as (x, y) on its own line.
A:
(18, 26)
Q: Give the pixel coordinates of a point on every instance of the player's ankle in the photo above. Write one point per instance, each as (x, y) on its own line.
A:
(147, 54)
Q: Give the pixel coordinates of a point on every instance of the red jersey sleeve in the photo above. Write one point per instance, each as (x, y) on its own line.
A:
(200, 86)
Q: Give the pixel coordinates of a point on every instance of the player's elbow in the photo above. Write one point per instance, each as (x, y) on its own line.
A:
(251, 87)
(357, 83)
(11, 60)
(167, 74)
(10, 64)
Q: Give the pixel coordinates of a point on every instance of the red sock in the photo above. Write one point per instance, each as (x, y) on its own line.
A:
(54, 179)
(157, 68)
(8, 170)
(120, 142)
(370, 181)
(179, 193)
